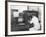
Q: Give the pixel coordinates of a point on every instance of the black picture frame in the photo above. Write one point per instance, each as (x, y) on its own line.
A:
(6, 16)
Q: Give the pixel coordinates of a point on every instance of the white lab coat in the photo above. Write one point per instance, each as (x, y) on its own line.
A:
(36, 23)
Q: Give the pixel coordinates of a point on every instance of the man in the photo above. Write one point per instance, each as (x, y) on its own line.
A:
(36, 23)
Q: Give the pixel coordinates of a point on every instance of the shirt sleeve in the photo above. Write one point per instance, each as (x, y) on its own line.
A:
(31, 21)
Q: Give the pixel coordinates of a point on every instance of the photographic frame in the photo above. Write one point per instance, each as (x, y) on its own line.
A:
(10, 4)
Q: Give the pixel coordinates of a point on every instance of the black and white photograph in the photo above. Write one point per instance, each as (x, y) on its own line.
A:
(25, 18)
